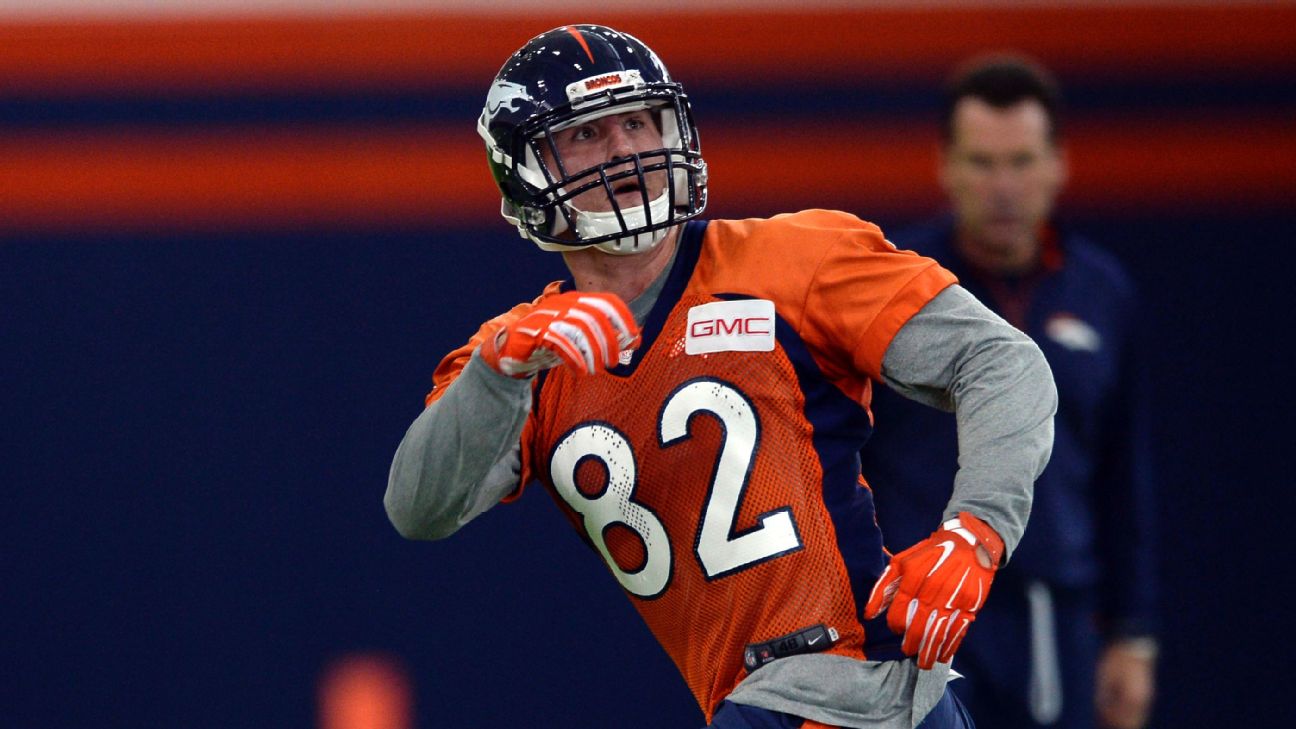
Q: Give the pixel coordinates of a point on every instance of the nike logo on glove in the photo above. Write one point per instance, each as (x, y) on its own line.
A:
(933, 608)
(946, 545)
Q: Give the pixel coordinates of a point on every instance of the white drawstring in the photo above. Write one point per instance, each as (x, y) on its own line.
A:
(1045, 676)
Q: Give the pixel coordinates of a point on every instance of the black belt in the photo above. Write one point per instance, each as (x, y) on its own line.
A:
(807, 640)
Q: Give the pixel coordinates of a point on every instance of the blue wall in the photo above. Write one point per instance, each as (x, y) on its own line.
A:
(197, 425)
(196, 443)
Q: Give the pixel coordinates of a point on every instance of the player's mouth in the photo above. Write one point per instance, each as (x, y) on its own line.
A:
(628, 193)
(629, 186)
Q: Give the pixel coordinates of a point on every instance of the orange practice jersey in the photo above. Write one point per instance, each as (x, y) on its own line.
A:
(717, 472)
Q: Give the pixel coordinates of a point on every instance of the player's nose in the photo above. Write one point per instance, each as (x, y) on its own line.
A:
(619, 144)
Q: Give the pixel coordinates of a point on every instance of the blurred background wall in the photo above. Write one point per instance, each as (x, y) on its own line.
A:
(235, 240)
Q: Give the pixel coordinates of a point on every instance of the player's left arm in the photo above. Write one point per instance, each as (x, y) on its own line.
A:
(958, 355)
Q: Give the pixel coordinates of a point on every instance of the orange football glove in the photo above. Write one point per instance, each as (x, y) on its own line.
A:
(586, 331)
(935, 588)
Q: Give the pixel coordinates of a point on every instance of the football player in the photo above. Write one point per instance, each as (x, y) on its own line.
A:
(695, 395)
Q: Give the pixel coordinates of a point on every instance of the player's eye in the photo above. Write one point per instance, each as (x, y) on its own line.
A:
(585, 131)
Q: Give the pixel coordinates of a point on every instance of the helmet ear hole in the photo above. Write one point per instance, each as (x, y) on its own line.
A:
(567, 76)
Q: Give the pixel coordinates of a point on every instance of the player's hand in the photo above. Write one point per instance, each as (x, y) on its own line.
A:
(585, 331)
(934, 589)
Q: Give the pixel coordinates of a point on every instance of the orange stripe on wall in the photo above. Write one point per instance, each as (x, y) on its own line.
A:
(1203, 162)
(424, 175)
(203, 180)
(464, 51)
(1121, 165)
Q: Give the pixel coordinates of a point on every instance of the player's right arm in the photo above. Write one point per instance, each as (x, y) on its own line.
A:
(462, 455)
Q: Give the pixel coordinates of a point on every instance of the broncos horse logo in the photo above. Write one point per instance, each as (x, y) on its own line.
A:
(505, 95)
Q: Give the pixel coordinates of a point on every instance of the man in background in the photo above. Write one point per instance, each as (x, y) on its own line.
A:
(1067, 640)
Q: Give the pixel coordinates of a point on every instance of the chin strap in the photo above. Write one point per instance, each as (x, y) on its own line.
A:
(598, 224)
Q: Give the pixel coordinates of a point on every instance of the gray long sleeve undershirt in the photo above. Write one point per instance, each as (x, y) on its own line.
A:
(959, 356)
(461, 455)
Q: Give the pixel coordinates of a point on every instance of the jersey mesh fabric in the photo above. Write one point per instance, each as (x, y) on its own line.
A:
(704, 622)
(840, 293)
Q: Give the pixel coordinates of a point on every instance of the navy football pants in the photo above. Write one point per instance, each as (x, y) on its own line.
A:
(1028, 662)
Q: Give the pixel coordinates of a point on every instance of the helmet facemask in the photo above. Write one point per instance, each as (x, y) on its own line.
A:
(660, 177)
(540, 192)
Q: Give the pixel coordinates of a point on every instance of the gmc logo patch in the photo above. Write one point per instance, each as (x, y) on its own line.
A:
(730, 326)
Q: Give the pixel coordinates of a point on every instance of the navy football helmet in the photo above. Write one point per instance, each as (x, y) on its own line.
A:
(566, 77)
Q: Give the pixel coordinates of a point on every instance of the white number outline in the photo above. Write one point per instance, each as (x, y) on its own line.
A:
(719, 548)
(582, 442)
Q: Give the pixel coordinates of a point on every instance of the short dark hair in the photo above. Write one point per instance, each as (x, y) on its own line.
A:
(1001, 80)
